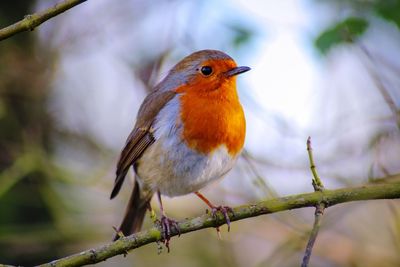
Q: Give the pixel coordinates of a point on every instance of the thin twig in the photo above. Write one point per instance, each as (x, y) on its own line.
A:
(377, 79)
(319, 211)
(316, 181)
(266, 188)
(30, 22)
(379, 83)
(333, 197)
(319, 208)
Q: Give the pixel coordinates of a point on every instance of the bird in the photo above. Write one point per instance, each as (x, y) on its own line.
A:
(189, 132)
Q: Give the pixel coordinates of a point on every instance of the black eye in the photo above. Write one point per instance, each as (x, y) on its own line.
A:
(206, 70)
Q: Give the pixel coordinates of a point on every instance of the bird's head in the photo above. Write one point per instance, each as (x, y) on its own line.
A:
(205, 70)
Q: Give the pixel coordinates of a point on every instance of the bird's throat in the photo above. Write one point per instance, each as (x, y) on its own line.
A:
(212, 119)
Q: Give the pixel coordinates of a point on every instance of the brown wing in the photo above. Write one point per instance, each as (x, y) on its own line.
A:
(141, 136)
(136, 144)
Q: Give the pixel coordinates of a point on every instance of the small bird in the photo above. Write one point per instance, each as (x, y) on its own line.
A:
(189, 132)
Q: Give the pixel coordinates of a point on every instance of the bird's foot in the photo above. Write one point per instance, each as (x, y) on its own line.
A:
(224, 210)
(166, 224)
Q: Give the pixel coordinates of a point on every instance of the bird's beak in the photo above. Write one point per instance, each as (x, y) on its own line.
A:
(236, 71)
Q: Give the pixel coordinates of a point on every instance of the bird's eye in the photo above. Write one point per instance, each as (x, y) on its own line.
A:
(206, 70)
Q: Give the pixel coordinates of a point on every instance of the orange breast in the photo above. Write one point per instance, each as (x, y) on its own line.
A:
(212, 118)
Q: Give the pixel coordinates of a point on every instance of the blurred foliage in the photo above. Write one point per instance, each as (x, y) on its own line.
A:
(343, 32)
(31, 209)
(389, 10)
(243, 35)
(25, 142)
(358, 17)
(351, 27)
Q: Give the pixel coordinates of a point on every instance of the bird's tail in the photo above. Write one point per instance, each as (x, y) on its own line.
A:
(134, 214)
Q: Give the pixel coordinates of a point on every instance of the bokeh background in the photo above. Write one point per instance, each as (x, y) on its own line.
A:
(70, 90)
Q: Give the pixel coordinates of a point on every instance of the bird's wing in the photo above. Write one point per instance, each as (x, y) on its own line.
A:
(141, 136)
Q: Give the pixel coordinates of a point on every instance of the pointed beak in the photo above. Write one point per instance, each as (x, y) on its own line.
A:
(236, 71)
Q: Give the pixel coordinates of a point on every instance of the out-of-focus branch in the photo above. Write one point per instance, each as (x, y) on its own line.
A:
(30, 22)
(261, 182)
(329, 197)
(319, 208)
(380, 85)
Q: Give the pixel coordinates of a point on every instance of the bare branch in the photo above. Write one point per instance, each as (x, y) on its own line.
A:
(316, 181)
(379, 84)
(330, 197)
(30, 22)
(319, 208)
(319, 211)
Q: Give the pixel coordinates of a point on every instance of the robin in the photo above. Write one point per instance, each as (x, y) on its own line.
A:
(189, 132)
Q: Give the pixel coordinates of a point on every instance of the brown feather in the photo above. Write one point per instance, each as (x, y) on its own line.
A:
(131, 150)
(134, 213)
(141, 136)
(130, 154)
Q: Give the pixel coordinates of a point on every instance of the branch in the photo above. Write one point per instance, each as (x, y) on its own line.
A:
(319, 211)
(30, 22)
(316, 181)
(372, 69)
(319, 208)
(329, 197)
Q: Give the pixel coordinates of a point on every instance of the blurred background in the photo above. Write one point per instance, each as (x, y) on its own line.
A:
(70, 90)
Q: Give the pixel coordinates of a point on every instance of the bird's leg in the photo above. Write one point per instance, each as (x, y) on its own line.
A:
(214, 209)
(166, 223)
(153, 215)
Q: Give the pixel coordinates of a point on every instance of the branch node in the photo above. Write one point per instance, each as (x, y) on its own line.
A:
(316, 181)
(118, 232)
(320, 208)
(159, 247)
(93, 255)
(28, 17)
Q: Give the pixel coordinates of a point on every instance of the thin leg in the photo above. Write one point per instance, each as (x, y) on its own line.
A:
(166, 223)
(153, 215)
(160, 202)
(223, 209)
(205, 200)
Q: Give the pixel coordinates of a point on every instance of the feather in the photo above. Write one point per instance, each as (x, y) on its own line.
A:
(141, 136)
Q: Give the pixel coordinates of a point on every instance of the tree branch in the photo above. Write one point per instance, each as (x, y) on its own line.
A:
(29, 22)
(380, 85)
(319, 208)
(329, 197)
(316, 181)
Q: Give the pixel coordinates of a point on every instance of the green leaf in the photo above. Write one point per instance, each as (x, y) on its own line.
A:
(389, 10)
(242, 35)
(343, 32)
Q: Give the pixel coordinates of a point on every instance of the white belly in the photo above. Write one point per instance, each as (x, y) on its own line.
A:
(173, 168)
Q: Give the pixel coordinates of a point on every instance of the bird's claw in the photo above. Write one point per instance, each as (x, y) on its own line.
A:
(224, 210)
(166, 224)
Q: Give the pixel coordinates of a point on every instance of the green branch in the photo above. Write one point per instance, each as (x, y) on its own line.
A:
(316, 181)
(329, 197)
(319, 208)
(29, 22)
